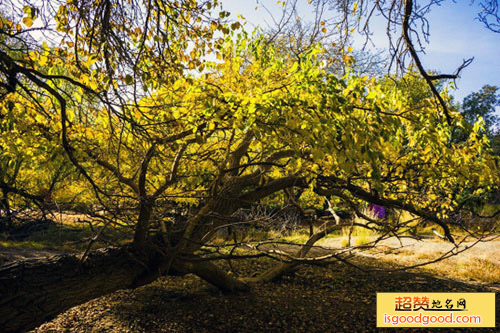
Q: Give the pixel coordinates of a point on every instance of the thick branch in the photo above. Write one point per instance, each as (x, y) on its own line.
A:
(118, 175)
(239, 152)
(211, 273)
(10, 189)
(418, 63)
(360, 193)
(173, 172)
(278, 271)
(273, 187)
(144, 170)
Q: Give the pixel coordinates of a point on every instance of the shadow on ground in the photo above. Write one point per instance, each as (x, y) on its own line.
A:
(337, 298)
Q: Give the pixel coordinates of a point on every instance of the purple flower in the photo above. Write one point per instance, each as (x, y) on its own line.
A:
(378, 211)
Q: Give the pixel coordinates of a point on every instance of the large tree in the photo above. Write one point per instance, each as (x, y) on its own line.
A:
(159, 105)
(483, 104)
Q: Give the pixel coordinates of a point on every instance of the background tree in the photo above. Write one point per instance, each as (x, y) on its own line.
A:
(33, 166)
(483, 104)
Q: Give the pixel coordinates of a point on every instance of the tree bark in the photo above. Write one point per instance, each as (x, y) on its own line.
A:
(5, 218)
(35, 290)
(212, 274)
(141, 228)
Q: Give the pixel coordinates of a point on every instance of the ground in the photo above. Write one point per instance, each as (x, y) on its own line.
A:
(316, 299)
(337, 298)
(480, 263)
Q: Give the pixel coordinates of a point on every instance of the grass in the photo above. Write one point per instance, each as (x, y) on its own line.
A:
(26, 245)
(54, 238)
(478, 269)
(359, 234)
(255, 234)
(297, 237)
(479, 263)
(66, 235)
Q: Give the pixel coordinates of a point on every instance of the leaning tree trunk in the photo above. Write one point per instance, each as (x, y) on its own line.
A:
(35, 290)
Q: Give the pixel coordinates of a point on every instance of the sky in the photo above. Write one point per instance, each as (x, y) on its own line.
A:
(455, 34)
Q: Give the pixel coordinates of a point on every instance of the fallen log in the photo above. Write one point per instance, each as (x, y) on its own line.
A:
(33, 291)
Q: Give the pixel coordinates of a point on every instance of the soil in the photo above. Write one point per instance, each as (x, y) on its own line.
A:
(336, 298)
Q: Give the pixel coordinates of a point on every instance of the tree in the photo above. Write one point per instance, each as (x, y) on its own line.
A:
(32, 163)
(152, 127)
(482, 104)
(294, 35)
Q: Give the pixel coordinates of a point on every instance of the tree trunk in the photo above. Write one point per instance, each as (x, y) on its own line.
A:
(6, 217)
(212, 274)
(141, 229)
(35, 290)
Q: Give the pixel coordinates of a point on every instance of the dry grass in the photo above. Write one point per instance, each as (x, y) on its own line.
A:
(481, 263)
(358, 235)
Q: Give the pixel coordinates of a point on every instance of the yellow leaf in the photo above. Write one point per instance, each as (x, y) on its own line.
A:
(346, 58)
(27, 21)
(93, 85)
(42, 61)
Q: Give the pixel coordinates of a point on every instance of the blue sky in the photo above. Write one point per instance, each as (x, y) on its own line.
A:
(455, 35)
